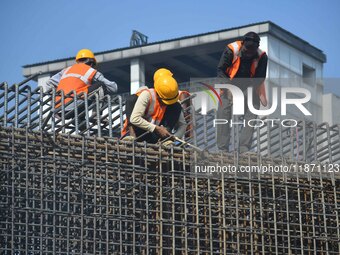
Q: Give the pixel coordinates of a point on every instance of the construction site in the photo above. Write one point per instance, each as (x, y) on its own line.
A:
(71, 186)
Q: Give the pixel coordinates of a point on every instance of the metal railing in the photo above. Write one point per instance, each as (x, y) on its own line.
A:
(69, 186)
(22, 106)
(307, 141)
(37, 109)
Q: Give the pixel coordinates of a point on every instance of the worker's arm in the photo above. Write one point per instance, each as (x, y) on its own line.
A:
(54, 80)
(226, 61)
(111, 86)
(261, 70)
(180, 126)
(138, 113)
(260, 74)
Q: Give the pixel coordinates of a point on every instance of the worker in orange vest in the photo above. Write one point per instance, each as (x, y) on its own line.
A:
(131, 101)
(182, 95)
(242, 64)
(80, 77)
(156, 111)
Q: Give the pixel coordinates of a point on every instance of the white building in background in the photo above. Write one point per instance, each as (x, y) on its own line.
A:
(290, 58)
(330, 110)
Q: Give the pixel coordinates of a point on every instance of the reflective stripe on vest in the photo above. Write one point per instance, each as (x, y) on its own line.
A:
(236, 49)
(154, 111)
(78, 78)
(84, 78)
(232, 70)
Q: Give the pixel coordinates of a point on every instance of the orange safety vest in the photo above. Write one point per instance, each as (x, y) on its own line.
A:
(154, 111)
(78, 78)
(232, 70)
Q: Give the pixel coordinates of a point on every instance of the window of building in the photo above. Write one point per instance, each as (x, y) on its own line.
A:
(308, 75)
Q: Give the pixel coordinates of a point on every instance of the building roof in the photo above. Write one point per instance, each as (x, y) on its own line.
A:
(153, 43)
(188, 56)
(260, 27)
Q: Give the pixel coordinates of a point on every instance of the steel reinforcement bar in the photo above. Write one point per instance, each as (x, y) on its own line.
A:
(71, 194)
(24, 107)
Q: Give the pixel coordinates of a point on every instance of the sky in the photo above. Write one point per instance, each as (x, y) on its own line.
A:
(42, 30)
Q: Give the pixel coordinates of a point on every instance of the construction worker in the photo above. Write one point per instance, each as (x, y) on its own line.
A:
(182, 95)
(80, 77)
(157, 112)
(242, 64)
(131, 101)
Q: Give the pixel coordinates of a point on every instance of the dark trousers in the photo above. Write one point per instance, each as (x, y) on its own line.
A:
(225, 112)
(169, 120)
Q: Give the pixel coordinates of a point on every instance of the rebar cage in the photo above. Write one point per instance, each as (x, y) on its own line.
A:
(70, 186)
(22, 106)
(86, 195)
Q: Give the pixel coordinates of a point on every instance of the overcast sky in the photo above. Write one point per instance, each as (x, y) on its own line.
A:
(41, 30)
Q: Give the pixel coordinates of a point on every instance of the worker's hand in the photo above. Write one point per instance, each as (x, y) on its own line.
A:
(162, 131)
(128, 138)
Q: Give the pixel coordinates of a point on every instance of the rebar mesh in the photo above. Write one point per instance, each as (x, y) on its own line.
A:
(21, 107)
(68, 194)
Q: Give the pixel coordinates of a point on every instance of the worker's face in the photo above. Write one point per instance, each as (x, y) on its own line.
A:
(249, 50)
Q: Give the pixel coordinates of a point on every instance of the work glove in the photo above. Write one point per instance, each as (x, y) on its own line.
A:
(128, 138)
(167, 143)
(170, 142)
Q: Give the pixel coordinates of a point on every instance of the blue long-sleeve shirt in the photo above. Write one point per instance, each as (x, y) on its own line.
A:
(99, 78)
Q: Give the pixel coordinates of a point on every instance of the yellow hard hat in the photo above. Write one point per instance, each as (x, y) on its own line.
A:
(167, 89)
(161, 72)
(85, 53)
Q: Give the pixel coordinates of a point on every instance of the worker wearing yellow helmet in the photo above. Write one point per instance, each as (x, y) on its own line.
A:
(157, 110)
(161, 72)
(80, 77)
(86, 54)
(183, 97)
(182, 94)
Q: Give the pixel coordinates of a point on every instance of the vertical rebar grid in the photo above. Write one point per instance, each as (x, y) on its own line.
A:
(86, 195)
